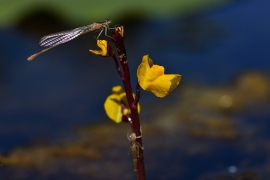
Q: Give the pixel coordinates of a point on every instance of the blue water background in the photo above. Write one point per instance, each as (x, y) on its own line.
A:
(66, 86)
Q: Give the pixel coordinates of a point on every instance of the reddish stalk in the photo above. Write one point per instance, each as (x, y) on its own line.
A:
(118, 40)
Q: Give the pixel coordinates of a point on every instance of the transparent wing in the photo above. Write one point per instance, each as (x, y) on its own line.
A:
(64, 36)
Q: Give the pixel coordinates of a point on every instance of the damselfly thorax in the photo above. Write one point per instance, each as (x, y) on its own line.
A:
(55, 39)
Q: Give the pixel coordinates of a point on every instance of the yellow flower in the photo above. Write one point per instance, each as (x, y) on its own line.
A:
(116, 105)
(152, 78)
(105, 49)
(120, 30)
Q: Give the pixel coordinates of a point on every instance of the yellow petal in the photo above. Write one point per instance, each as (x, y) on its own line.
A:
(152, 78)
(103, 45)
(113, 103)
(120, 30)
(118, 90)
(112, 107)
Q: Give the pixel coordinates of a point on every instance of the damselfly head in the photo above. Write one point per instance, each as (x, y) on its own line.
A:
(108, 21)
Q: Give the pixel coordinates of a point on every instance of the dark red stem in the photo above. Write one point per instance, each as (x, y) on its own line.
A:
(118, 40)
(137, 97)
(117, 67)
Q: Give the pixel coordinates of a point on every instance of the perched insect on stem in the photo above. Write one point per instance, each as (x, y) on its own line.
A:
(55, 39)
(134, 148)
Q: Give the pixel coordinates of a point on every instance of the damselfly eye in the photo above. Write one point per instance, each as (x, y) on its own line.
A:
(108, 21)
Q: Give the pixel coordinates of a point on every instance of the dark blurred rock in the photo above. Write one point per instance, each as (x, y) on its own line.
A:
(40, 21)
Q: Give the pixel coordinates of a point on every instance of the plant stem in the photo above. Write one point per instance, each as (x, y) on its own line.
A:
(118, 40)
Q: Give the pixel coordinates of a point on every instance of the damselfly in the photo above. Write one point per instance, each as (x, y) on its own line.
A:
(55, 39)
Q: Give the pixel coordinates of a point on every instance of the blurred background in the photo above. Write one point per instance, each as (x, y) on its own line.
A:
(214, 126)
